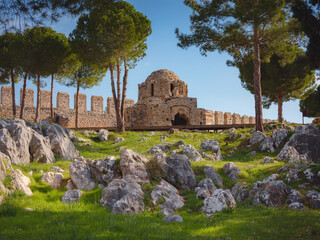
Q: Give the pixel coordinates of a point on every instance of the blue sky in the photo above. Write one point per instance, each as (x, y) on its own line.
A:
(215, 85)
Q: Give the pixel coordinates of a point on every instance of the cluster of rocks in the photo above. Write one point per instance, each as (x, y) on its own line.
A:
(15, 179)
(24, 142)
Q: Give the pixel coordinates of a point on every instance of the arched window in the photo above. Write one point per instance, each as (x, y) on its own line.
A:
(152, 90)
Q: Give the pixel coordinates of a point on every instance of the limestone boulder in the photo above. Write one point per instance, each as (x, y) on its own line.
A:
(60, 142)
(307, 129)
(267, 145)
(279, 137)
(294, 197)
(232, 134)
(288, 154)
(213, 175)
(20, 182)
(103, 135)
(132, 165)
(167, 197)
(191, 152)
(205, 188)
(123, 197)
(57, 169)
(2, 124)
(270, 194)
(296, 206)
(8, 147)
(81, 174)
(240, 191)
(313, 199)
(119, 140)
(211, 145)
(48, 177)
(231, 170)
(257, 137)
(71, 196)
(5, 166)
(103, 170)
(219, 200)
(178, 171)
(268, 160)
(57, 181)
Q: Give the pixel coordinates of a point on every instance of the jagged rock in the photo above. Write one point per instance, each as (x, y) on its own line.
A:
(191, 152)
(296, 206)
(103, 135)
(8, 147)
(294, 175)
(60, 142)
(177, 169)
(213, 175)
(70, 185)
(162, 138)
(231, 170)
(179, 143)
(57, 169)
(213, 146)
(166, 196)
(5, 170)
(81, 174)
(306, 142)
(279, 137)
(57, 181)
(205, 188)
(284, 168)
(2, 124)
(48, 177)
(270, 194)
(240, 191)
(288, 154)
(272, 177)
(173, 131)
(313, 198)
(155, 150)
(209, 156)
(257, 137)
(71, 134)
(173, 218)
(123, 196)
(71, 196)
(132, 165)
(232, 134)
(267, 160)
(20, 182)
(309, 175)
(119, 140)
(40, 149)
(163, 147)
(267, 145)
(294, 196)
(219, 199)
(142, 140)
(103, 170)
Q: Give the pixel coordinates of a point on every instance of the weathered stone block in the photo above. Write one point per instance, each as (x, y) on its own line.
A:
(218, 117)
(29, 97)
(97, 104)
(227, 118)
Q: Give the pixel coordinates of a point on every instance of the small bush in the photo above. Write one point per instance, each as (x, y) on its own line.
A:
(7, 210)
(154, 171)
(228, 210)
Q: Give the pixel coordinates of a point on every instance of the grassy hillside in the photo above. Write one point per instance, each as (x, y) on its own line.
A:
(51, 219)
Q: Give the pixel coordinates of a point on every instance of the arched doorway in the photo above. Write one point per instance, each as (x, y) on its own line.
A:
(180, 119)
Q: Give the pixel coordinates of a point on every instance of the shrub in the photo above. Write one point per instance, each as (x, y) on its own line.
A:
(154, 171)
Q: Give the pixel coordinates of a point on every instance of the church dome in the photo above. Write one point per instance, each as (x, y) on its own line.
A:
(163, 74)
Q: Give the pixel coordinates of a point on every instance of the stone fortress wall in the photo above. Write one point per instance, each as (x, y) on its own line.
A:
(163, 101)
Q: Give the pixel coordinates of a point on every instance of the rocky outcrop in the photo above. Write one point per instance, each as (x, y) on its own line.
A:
(268, 160)
(211, 145)
(303, 146)
(123, 197)
(132, 165)
(173, 218)
(257, 137)
(270, 194)
(191, 152)
(60, 142)
(57, 181)
(240, 191)
(219, 200)
(205, 188)
(163, 147)
(103, 135)
(24, 145)
(48, 177)
(231, 170)
(213, 175)
(177, 169)
(81, 174)
(167, 197)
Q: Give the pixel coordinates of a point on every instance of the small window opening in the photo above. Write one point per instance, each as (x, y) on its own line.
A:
(171, 89)
(152, 90)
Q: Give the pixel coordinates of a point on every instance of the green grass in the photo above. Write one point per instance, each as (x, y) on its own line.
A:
(86, 219)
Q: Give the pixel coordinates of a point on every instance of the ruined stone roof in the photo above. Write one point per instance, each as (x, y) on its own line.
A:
(163, 74)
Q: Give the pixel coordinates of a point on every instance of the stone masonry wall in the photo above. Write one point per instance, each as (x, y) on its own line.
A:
(29, 97)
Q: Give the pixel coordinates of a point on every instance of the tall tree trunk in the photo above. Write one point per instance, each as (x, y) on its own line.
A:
(257, 81)
(23, 95)
(38, 98)
(124, 93)
(118, 110)
(77, 105)
(51, 97)
(114, 95)
(280, 104)
(14, 112)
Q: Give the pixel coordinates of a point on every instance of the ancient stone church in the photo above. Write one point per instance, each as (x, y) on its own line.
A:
(163, 101)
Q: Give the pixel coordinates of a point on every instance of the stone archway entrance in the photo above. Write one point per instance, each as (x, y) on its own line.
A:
(180, 119)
